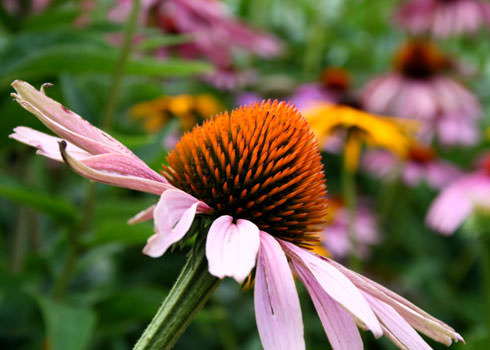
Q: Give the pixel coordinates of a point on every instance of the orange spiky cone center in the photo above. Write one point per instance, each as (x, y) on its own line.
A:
(260, 163)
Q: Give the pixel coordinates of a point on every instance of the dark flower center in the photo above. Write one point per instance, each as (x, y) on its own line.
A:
(420, 60)
(261, 163)
(421, 154)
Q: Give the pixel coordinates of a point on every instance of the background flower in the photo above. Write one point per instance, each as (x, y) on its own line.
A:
(443, 18)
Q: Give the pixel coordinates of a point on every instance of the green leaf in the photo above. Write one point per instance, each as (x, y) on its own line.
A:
(119, 231)
(38, 55)
(67, 327)
(58, 208)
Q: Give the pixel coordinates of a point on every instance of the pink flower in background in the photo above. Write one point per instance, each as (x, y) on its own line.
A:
(421, 165)
(333, 86)
(335, 237)
(237, 241)
(443, 18)
(419, 89)
(15, 6)
(214, 32)
(460, 199)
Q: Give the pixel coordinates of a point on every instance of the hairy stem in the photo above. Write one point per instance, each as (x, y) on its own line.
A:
(190, 292)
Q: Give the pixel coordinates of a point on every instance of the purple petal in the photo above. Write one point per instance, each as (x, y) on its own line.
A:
(415, 316)
(277, 308)
(395, 327)
(174, 214)
(231, 248)
(338, 324)
(110, 174)
(143, 215)
(47, 145)
(335, 284)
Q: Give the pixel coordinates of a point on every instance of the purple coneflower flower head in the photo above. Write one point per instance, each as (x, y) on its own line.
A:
(257, 173)
(215, 34)
(421, 165)
(334, 84)
(443, 18)
(335, 237)
(460, 199)
(418, 88)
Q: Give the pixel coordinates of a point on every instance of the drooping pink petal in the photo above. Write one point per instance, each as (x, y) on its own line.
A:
(111, 175)
(335, 284)
(395, 327)
(231, 248)
(277, 308)
(47, 145)
(338, 324)
(143, 215)
(173, 215)
(416, 317)
(66, 123)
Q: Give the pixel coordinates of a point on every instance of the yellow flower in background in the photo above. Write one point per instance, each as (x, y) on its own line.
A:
(361, 127)
(189, 109)
(488, 133)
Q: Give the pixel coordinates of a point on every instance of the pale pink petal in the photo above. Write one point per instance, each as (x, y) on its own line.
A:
(416, 317)
(335, 284)
(143, 215)
(123, 165)
(457, 201)
(66, 123)
(395, 326)
(113, 178)
(413, 173)
(277, 308)
(47, 145)
(338, 324)
(231, 248)
(173, 215)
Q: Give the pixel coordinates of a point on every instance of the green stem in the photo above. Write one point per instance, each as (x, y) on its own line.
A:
(121, 64)
(485, 240)
(188, 295)
(349, 194)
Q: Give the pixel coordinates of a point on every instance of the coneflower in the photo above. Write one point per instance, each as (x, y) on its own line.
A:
(443, 18)
(259, 171)
(421, 165)
(420, 88)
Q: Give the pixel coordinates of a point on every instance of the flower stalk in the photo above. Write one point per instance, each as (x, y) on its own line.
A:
(349, 194)
(190, 292)
(121, 64)
(485, 269)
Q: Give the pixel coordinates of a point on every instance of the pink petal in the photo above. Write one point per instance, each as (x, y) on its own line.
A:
(456, 202)
(174, 214)
(111, 176)
(395, 326)
(66, 123)
(335, 284)
(231, 248)
(277, 308)
(47, 145)
(338, 324)
(416, 317)
(143, 215)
